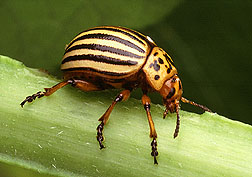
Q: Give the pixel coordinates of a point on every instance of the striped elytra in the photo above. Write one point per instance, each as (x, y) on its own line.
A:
(110, 51)
(116, 57)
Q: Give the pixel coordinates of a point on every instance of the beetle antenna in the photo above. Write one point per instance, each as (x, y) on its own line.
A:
(177, 123)
(195, 104)
(165, 113)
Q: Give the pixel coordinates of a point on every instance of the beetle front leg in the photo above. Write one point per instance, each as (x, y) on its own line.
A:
(146, 102)
(124, 95)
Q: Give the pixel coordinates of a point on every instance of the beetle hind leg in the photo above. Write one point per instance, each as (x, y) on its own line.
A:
(32, 97)
(100, 137)
(81, 84)
(47, 92)
(124, 95)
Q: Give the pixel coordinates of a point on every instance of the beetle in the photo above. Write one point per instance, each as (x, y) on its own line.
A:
(110, 57)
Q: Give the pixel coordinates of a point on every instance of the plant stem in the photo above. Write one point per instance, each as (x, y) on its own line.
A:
(57, 134)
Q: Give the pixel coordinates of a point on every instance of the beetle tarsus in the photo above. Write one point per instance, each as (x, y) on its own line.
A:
(154, 151)
(99, 136)
(33, 97)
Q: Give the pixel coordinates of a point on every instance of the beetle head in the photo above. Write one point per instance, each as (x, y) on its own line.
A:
(171, 92)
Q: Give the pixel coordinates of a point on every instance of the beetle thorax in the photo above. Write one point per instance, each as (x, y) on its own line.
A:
(159, 68)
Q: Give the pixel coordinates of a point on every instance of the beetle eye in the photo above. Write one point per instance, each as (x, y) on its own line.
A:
(171, 93)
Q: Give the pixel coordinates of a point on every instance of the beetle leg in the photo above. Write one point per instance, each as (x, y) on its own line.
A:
(146, 102)
(124, 95)
(83, 85)
(48, 91)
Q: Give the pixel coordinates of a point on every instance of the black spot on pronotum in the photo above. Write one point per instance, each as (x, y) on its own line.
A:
(156, 77)
(156, 53)
(166, 66)
(160, 61)
(168, 59)
(169, 69)
(180, 86)
(171, 93)
(156, 66)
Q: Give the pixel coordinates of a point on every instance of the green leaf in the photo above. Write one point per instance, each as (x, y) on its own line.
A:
(56, 135)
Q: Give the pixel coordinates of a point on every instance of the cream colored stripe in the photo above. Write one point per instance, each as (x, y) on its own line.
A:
(100, 66)
(117, 34)
(109, 43)
(107, 54)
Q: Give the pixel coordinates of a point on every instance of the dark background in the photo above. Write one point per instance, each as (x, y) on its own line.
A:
(209, 41)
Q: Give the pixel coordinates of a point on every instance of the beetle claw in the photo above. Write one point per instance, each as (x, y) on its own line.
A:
(99, 136)
(33, 97)
(154, 151)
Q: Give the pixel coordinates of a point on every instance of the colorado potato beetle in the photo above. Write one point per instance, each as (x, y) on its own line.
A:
(110, 57)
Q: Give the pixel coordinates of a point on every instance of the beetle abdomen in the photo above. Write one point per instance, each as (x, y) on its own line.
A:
(106, 51)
